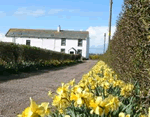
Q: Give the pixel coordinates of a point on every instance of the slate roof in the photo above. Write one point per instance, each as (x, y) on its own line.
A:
(33, 33)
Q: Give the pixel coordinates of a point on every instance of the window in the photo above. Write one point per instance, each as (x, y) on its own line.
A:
(63, 42)
(28, 42)
(79, 52)
(79, 42)
(63, 50)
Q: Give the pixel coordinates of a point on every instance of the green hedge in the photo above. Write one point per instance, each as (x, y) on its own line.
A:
(16, 58)
(94, 56)
(10, 52)
(129, 50)
(11, 68)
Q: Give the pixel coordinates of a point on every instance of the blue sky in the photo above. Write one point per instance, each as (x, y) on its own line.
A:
(92, 16)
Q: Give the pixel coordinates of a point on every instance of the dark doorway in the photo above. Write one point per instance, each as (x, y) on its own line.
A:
(71, 52)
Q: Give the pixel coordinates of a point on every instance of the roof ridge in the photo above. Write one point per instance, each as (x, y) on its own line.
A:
(28, 29)
(45, 30)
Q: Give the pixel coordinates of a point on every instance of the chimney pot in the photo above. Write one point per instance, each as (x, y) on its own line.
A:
(59, 28)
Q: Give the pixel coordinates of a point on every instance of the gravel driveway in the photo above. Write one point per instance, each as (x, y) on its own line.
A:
(14, 94)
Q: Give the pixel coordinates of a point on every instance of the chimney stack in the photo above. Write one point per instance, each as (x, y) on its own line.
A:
(59, 28)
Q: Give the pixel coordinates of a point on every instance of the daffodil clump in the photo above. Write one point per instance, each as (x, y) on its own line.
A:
(98, 94)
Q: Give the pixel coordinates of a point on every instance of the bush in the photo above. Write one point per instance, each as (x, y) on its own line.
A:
(129, 50)
(17, 58)
(93, 57)
(10, 52)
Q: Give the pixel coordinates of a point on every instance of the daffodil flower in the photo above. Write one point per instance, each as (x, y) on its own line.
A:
(36, 110)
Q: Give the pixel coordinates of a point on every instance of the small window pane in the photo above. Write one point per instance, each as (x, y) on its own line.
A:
(63, 50)
(28, 42)
(79, 52)
(79, 42)
(63, 42)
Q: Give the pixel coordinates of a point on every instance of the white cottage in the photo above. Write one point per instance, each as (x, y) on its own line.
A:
(71, 42)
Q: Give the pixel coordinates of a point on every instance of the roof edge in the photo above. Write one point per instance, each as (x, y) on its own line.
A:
(44, 29)
(44, 37)
(7, 32)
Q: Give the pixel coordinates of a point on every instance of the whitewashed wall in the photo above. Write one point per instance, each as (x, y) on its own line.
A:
(69, 44)
(6, 39)
(87, 47)
(48, 44)
(57, 45)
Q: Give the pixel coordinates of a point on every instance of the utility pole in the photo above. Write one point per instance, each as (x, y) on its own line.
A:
(110, 16)
(104, 41)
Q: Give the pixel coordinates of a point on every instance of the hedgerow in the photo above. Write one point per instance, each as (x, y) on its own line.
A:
(128, 53)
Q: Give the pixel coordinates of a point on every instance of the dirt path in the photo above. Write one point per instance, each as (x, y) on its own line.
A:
(14, 94)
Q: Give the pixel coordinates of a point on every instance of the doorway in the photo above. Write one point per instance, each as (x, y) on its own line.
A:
(71, 52)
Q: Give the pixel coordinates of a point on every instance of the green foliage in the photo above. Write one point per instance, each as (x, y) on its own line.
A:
(129, 50)
(11, 52)
(17, 58)
(128, 53)
(93, 57)
(26, 66)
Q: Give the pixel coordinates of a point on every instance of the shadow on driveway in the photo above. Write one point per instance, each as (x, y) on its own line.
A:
(7, 76)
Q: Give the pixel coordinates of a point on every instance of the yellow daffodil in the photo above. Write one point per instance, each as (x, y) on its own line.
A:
(95, 105)
(142, 115)
(149, 112)
(36, 110)
(50, 93)
(63, 89)
(112, 102)
(26, 113)
(61, 111)
(105, 85)
(121, 114)
(67, 115)
(126, 90)
(72, 82)
(119, 83)
(128, 115)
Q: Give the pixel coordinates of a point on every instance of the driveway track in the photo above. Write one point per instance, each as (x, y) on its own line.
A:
(14, 94)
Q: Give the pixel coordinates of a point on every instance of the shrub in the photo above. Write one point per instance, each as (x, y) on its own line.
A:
(129, 50)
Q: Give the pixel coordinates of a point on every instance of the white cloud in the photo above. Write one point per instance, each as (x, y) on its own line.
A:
(90, 13)
(26, 12)
(2, 35)
(76, 12)
(97, 34)
(73, 10)
(55, 11)
(83, 13)
(4, 39)
(2, 14)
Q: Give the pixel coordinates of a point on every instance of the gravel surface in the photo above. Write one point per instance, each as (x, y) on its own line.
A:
(14, 94)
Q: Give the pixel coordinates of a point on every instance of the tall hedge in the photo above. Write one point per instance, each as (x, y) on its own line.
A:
(129, 50)
(10, 52)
